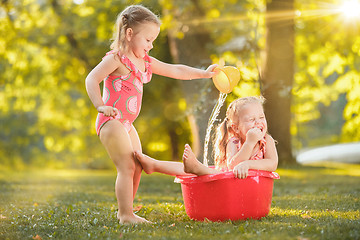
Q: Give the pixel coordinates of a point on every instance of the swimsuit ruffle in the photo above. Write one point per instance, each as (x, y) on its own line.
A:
(146, 76)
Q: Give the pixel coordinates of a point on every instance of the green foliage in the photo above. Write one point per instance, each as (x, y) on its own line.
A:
(48, 47)
(313, 202)
(44, 106)
(327, 57)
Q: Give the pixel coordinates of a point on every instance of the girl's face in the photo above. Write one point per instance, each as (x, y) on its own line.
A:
(251, 116)
(141, 38)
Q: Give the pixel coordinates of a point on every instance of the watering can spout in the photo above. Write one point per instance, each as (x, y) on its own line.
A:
(226, 78)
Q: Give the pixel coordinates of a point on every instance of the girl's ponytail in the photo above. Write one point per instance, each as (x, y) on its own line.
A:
(222, 135)
(119, 33)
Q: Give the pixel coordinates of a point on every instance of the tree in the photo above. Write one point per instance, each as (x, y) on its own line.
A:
(198, 32)
(277, 77)
(48, 47)
(189, 46)
(45, 60)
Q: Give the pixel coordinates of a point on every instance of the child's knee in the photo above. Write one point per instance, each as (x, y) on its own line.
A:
(125, 163)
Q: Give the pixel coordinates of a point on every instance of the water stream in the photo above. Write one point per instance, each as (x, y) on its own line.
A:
(215, 112)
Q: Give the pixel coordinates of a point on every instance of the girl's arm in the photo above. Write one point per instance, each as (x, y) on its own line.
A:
(108, 65)
(239, 156)
(179, 71)
(235, 157)
(253, 136)
(269, 163)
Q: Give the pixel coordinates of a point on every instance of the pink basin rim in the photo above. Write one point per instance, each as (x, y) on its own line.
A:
(224, 175)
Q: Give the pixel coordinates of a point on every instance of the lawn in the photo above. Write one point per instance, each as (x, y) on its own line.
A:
(309, 202)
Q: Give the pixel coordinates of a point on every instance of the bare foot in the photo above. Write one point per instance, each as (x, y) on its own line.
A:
(146, 162)
(192, 165)
(134, 219)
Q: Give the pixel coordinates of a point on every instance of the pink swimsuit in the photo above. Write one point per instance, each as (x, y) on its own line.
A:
(125, 93)
(260, 154)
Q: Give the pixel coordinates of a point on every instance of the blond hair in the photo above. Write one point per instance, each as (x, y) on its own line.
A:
(224, 130)
(130, 17)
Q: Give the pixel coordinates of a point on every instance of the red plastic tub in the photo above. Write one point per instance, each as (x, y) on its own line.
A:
(221, 197)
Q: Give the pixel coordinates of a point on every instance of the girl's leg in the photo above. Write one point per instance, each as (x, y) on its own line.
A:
(135, 140)
(151, 165)
(118, 144)
(193, 166)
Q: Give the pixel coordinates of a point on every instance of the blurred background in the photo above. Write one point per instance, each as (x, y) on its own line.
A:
(303, 56)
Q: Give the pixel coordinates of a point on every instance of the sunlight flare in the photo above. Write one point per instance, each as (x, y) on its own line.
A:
(351, 9)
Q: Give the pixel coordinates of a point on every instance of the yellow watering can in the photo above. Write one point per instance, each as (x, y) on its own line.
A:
(226, 78)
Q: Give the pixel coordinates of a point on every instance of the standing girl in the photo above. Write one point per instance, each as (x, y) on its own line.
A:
(242, 143)
(124, 70)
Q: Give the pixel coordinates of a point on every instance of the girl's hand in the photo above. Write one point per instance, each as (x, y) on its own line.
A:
(108, 111)
(209, 72)
(254, 135)
(241, 170)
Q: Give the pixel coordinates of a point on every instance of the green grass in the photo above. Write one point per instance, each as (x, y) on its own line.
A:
(311, 202)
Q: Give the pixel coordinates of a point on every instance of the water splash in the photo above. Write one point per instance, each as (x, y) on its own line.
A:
(215, 112)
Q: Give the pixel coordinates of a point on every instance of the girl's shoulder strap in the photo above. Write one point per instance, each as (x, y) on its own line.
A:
(148, 69)
(147, 58)
(263, 142)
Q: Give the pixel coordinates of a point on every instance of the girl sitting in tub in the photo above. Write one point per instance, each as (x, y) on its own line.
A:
(242, 140)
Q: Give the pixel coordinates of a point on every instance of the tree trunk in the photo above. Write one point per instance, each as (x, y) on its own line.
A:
(200, 95)
(278, 74)
(174, 140)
